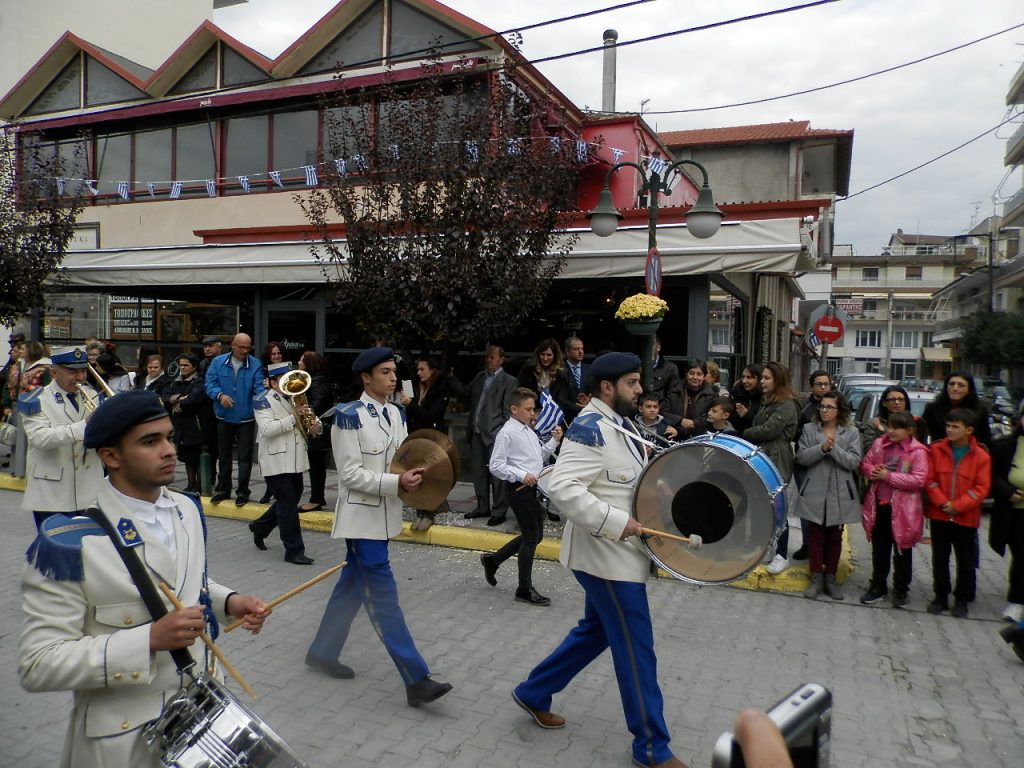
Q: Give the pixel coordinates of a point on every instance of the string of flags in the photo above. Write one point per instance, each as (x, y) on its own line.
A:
(357, 164)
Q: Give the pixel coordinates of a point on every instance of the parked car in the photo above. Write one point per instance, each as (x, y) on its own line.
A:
(861, 380)
(867, 408)
(855, 394)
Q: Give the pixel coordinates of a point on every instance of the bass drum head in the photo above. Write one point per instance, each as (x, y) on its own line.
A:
(712, 491)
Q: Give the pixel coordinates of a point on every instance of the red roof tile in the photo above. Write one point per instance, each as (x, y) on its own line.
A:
(749, 134)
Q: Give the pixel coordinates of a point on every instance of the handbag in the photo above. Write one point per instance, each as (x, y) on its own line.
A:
(8, 431)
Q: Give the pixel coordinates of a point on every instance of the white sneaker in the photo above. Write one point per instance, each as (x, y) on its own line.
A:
(1013, 612)
(777, 565)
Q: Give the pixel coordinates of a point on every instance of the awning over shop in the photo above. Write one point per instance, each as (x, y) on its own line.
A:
(769, 246)
(937, 354)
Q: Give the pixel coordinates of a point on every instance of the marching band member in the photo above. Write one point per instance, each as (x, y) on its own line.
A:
(283, 459)
(365, 436)
(592, 485)
(86, 628)
(62, 475)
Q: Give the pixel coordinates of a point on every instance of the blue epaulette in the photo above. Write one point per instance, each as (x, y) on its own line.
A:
(260, 402)
(585, 429)
(28, 402)
(56, 551)
(346, 415)
(401, 410)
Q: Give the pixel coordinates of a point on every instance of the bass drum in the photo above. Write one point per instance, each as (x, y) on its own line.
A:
(717, 486)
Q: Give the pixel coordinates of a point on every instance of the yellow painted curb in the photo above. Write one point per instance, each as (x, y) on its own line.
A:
(9, 482)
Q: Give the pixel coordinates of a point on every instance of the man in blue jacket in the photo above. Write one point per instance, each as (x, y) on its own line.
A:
(232, 381)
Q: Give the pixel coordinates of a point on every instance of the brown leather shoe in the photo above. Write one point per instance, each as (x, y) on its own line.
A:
(672, 762)
(547, 720)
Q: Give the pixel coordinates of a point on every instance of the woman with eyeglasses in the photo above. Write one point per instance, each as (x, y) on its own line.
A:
(958, 391)
(893, 400)
(830, 451)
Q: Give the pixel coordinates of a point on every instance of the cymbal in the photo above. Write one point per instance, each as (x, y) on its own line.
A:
(438, 477)
(445, 442)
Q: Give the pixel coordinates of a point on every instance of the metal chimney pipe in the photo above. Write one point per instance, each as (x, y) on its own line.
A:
(608, 79)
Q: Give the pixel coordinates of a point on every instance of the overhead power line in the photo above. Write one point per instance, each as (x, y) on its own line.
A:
(929, 162)
(840, 82)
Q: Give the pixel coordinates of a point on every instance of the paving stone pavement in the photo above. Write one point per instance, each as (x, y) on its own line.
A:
(910, 689)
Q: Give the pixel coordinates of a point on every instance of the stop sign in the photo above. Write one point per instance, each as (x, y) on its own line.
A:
(829, 328)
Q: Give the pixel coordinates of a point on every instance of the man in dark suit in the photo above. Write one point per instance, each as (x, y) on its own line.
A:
(578, 374)
(489, 395)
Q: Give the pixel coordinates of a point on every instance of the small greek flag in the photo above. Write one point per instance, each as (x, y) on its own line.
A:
(550, 416)
(151, 188)
(359, 161)
(175, 190)
(555, 142)
(122, 190)
(617, 154)
(211, 187)
(275, 176)
(472, 151)
(394, 151)
(656, 165)
(244, 181)
(90, 184)
(60, 185)
(311, 180)
(512, 146)
(341, 166)
(582, 150)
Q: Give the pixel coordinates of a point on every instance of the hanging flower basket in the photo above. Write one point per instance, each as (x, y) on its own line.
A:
(641, 313)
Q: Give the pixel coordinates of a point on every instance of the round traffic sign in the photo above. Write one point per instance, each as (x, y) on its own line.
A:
(829, 328)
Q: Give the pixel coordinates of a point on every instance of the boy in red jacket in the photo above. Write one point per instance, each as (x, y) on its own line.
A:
(959, 477)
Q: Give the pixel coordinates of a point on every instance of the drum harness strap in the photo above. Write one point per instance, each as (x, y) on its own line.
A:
(631, 435)
(154, 603)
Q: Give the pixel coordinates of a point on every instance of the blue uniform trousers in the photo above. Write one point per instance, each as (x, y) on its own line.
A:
(616, 615)
(367, 581)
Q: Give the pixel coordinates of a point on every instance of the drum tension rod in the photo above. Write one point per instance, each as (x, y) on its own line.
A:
(693, 540)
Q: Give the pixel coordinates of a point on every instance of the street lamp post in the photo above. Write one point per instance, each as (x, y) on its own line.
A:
(702, 220)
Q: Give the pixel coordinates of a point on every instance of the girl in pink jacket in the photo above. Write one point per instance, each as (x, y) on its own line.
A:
(897, 467)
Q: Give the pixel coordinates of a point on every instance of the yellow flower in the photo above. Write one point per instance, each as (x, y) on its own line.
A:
(641, 306)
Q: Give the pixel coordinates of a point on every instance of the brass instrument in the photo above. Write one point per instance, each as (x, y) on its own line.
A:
(88, 401)
(294, 385)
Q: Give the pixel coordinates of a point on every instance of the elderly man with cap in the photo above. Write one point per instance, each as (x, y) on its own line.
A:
(283, 459)
(592, 485)
(365, 437)
(61, 474)
(87, 627)
(211, 349)
(233, 381)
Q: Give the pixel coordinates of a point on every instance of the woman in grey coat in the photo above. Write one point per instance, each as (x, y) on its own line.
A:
(830, 450)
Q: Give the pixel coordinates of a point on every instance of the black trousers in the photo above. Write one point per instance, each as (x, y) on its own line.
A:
(484, 482)
(283, 513)
(963, 541)
(317, 475)
(882, 544)
(530, 515)
(227, 433)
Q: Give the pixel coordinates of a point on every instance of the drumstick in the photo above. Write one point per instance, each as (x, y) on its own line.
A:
(210, 644)
(693, 540)
(290, 593)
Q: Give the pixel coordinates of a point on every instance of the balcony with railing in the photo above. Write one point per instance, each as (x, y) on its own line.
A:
(1013, 210)
(1015, 147)
(1015, 95)
(884, 283)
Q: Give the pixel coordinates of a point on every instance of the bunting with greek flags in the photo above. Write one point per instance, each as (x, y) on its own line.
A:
(175, 190)
(151, 188)
(550, 416)
(275, 176)
(122, 190)
(311, 180)
(341, 166)
(60, 185)
(472, 151)
(617, 154)
(90, 184)
(244, 181)
(582, 151)
(211, 187)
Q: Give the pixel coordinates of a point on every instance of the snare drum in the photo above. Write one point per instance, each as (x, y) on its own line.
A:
(544, 487)
(205, 726)
(720, 487)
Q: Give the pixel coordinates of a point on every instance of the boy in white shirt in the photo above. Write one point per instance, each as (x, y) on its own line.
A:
(517, 459)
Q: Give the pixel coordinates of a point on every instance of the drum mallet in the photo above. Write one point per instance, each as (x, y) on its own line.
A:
(169, 593)
(693, 539)
(290, 593)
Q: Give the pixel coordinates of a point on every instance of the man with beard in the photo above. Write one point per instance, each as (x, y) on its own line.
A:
(592, 485)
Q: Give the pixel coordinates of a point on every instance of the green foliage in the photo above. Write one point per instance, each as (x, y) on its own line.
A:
(35, 228)
(994, 339)
(455, 205)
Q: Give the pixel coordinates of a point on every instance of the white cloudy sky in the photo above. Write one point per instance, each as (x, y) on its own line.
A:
(900, 119)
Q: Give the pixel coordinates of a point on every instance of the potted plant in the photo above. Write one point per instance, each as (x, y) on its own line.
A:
(641, 313)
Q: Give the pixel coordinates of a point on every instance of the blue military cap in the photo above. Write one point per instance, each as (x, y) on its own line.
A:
(278, 369)
(69, 357)
(368, 358)
(611, 365)
(117, 415)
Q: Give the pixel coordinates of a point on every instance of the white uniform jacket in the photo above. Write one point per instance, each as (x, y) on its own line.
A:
(592, 485)
(62, 476)
(282, 447)
(364, 443)
(92, 636)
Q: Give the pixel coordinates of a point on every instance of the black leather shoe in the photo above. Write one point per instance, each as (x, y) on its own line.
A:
(425, 691)
(490, 569)
(265, 499)
(476, 513)
(299, 560)
(492, 521)
(241, 501)
(331, 668)
(218, 497)
(532, 597)
(313, 506)
(256, 538)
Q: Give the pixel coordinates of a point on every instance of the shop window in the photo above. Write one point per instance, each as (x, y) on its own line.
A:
(202, 76)
(236, 70)
(194, 161)
(104, 86)
(245, 153)
(294, 145)
(63, 92)
(414, 32)
(360, 42)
